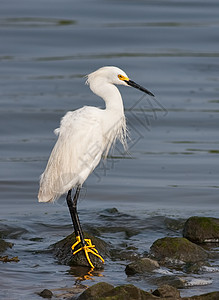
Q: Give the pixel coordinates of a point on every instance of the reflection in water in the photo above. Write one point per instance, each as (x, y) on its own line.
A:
(84, 273)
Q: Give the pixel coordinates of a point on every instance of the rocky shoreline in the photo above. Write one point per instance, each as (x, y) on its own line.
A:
(182, 253)
(106, 291)
(188, 254)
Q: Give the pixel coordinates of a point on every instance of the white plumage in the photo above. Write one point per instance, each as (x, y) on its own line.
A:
(85, 135)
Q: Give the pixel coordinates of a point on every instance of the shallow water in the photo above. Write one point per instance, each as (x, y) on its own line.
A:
(171, 171)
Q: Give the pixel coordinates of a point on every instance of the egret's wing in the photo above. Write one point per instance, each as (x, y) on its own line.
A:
(76, 153)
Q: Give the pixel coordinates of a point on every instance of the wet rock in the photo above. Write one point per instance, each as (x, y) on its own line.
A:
(126, 292)
(105, 291)
(209, 296)
(96, 291)
(112, 210)
(62, 251)
(177, 249)
(171, 280)
(141, 266)
(174, 224)
(202, 229)
(195, 267)
(167, 291)
(46, 294)
(4, 245)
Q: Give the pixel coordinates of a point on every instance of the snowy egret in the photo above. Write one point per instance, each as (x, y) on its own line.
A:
(83, 137)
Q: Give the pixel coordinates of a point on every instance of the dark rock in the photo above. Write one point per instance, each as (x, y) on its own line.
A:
(202, 229)
(177, 249)
(62, 251)
(195, 267)
(4, 245)
(171, 280)
(46, 294)
(105, 291)
(96, 291)
(126, 292)
(174, 224)
(209, 296)
(167, 291)
(141, 266)
(112, 210)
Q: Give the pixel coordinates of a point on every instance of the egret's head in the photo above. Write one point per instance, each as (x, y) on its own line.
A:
(113, 75)
(107, 75)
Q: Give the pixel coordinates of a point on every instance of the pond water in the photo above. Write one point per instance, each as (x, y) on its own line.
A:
(171, 170)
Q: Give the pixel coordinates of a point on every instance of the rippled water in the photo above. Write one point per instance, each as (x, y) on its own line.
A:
(46, 49)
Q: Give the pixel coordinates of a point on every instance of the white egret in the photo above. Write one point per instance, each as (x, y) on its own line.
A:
(83, 137)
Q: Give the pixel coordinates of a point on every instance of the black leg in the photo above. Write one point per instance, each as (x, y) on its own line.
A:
(86, 244)
(72, 205)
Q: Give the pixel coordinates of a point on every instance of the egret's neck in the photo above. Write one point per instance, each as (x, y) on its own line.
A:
(111, 95)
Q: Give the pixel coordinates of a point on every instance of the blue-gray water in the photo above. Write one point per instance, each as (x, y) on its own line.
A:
(46, 49)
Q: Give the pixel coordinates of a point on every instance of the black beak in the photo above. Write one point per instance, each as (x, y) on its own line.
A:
(137, 86)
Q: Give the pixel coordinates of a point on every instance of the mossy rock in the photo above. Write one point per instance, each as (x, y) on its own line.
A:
(202, 229)
(96, 291)
(177, 249)
(105, 291)
(126, 292)
(63, 252)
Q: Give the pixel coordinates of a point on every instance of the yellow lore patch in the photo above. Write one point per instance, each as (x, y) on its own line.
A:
(121, 77)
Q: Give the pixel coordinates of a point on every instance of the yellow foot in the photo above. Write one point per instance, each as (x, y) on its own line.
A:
(87, 248)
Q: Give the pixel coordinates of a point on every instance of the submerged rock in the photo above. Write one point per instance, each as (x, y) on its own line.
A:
(63, 252)
(202, 229)
(4, 245)
(167, 291)
(141, 266)
(177, 249)
(125, 254)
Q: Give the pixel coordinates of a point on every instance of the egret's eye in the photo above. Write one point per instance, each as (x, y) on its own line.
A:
(123, 78)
